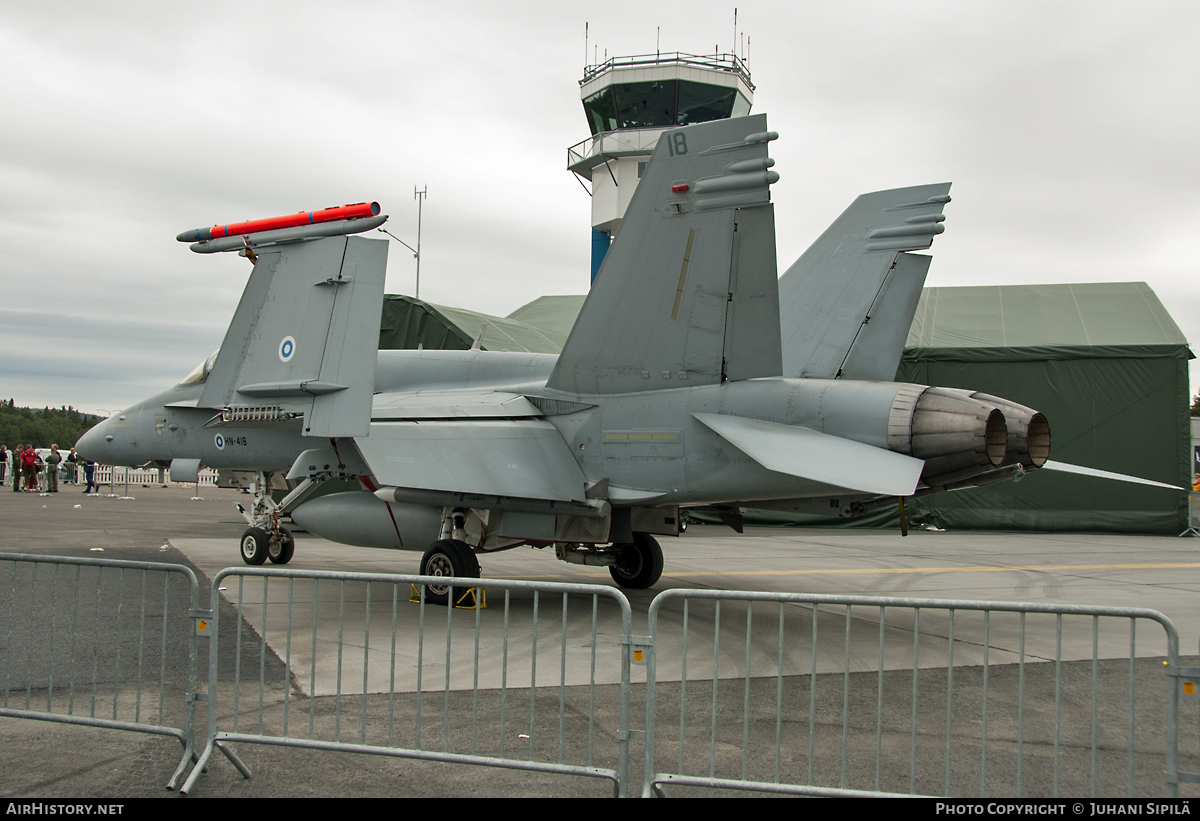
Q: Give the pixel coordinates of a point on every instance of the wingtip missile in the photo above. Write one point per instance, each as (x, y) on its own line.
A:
(341, 212)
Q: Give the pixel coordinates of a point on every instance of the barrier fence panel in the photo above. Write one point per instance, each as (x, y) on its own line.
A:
(118, 476)
(346, 662)
(844, 695)
(1193, 528)
(100, 643)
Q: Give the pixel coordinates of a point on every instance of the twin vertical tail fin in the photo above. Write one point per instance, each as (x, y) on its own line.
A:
(849, 300)
(688, 293)
(305, 338)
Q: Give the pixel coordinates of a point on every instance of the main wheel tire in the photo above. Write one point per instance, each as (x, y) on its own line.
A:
(448, 557)
(255, 543)
(282, 549)
(639, 565)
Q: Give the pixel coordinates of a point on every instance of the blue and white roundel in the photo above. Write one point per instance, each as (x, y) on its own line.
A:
(287, 348)
(219, 441)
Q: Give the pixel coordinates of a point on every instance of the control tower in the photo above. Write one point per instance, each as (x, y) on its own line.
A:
(629, 102)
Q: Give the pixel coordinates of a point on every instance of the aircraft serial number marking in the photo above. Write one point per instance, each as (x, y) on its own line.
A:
(677, 144)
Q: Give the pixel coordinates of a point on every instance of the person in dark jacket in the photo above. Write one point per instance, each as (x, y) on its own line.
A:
(89, 473)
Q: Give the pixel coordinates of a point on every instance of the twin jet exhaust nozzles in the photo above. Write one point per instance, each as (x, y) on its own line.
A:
(961, 434)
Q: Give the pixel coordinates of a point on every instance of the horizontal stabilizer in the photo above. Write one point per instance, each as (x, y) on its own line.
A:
(1063, 467)
(523, 458)
(820, 457)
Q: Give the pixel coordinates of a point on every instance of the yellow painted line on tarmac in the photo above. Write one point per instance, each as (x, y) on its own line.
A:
(1040, 568)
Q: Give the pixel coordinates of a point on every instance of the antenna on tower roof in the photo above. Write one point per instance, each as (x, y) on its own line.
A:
(585, 44)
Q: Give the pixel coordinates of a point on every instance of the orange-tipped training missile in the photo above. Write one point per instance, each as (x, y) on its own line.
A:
(341, 212)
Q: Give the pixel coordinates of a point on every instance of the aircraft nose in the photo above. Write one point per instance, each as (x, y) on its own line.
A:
(92, 445)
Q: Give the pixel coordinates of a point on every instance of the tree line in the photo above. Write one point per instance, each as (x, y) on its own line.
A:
(42, 427)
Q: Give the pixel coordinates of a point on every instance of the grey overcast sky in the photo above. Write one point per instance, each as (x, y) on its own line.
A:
(1070, 130)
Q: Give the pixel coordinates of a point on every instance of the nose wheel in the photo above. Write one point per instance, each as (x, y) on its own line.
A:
(259, 546)
(265, 540)
(255, 542)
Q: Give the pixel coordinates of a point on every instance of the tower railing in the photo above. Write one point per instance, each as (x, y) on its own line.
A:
(719, 62)
(607, 145)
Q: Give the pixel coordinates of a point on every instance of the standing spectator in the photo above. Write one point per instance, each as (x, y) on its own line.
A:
(29, 460)
(53, 460)
(89, 472)
(72, 467)
(16, 467)
(3, 463)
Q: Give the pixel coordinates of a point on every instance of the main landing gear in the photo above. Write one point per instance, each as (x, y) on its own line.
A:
(633, 565)
(449, 556)
(639, 565)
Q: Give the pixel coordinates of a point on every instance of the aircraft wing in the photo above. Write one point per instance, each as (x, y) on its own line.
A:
(820, 457)
(517, 458)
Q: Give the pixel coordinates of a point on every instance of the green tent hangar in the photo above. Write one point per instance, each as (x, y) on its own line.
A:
(1104, 362)
(1107, 366)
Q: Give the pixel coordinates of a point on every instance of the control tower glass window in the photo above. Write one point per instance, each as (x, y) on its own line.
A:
(645, 105)
(700, 103)
(601, 111)
(741, 106)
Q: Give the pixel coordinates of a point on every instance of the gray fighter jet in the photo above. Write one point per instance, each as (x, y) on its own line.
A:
(682, 384)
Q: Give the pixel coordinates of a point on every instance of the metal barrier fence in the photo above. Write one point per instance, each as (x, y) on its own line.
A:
(112, 653)
(906, 696)
(112, 476)
(1193, 528)
(807, 694)
(368, 686)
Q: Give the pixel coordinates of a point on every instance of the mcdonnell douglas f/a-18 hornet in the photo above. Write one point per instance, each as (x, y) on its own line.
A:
(693, 377)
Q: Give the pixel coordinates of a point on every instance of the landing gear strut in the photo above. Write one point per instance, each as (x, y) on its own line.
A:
(449, 556)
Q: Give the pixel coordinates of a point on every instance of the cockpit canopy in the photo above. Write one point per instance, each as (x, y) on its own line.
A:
(200, 373)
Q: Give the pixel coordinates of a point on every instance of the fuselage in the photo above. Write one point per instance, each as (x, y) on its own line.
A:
(647, 441)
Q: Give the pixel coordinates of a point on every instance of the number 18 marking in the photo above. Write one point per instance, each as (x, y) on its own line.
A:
(677, 144)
